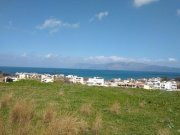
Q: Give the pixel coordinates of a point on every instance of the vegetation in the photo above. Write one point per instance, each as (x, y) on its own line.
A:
(34, 108)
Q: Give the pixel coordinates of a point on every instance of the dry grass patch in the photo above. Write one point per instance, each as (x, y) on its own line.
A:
(2, 127)
(67, 125)
(26, 129)
(61, 93)
(22, 112)
(115, 108)
(86, 109)
(164, 131)
(5, 101)
(142, 104)
(97, 125)
(49, 114)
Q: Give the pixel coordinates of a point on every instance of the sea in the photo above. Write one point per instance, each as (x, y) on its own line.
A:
(87, 73)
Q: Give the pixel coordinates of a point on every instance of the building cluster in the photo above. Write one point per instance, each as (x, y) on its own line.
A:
(151, 83)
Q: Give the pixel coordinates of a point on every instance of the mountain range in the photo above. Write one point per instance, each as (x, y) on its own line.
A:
(130, 66)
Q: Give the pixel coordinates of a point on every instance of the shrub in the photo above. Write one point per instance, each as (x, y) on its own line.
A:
(66, 125)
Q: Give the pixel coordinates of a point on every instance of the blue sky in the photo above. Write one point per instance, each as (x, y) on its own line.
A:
(61, 33)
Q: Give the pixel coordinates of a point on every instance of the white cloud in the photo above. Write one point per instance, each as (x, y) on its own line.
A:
(178, 12)
(172, 60)
(100, 16)
(53, 25)
(24, 54)
(10, 26)
(50, 56)
(107, 59)
(57, 60)
(139, 3)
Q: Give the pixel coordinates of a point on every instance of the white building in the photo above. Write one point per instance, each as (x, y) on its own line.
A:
(96, 81)
(79, 80)
(147, 87)
(59, 76)
(169, 86)
(75, 79)
(20, 76)
(10, 79)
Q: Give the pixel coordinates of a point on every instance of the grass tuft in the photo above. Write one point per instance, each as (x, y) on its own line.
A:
(6, 100)
(49, 114)
(2, 126)
(22, 112)
(61, 93)
(115, 108)
(97, 125)
(164, 131)
(67, 125)
(86, 109)
(25, 129)
(142, 104)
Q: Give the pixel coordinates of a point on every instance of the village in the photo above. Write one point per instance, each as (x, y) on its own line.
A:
(150, 83)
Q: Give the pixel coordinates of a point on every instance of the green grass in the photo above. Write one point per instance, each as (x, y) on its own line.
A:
(142, 112)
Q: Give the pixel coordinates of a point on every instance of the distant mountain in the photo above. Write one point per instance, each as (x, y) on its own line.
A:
(131, 66)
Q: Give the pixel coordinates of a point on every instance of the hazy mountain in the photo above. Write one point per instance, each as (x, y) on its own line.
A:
(128, 66)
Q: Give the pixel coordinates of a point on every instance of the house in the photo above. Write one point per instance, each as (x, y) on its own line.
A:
(169, 86)
(10, 79)
(75, 79)
(147, 87)
(96, 81)
(59, 76)
(78, 80)
(20, 76)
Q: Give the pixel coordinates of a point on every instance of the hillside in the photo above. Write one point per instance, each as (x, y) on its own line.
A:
(30, 107)
(128, 66)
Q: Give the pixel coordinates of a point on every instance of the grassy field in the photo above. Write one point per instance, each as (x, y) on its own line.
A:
(34, 108)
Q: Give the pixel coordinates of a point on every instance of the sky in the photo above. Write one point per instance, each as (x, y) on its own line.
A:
(63, 33)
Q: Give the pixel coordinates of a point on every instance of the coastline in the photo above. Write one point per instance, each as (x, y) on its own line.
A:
(86, 73)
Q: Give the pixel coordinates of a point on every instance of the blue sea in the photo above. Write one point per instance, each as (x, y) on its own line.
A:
(107, 74)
